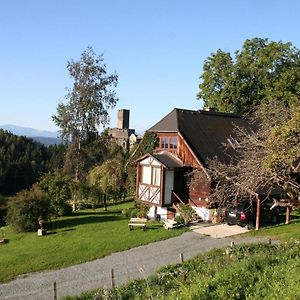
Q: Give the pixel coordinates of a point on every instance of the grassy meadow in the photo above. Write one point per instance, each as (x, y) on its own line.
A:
(84, 236)
(282, 232)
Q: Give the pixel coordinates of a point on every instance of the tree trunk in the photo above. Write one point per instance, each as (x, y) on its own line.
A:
(288, 215)
(257, 225)
(104, 202)
(76, 174)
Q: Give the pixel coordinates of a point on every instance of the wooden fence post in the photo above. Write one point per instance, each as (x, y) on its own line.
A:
(181, 258)
(287, 215)
(257, 225)
(54, 290)
(112, 275)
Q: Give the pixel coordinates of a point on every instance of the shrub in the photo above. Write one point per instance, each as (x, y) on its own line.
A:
(142, 210)
(58, 187)
(26, 208)
(179, 220)
(186, 212)
(129, 212)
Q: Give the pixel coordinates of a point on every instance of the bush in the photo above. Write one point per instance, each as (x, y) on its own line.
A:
(26, 208)
(138, 211)
(186, 212)
(58, 187)
(142, 210)
(130, 212)
(179, 220)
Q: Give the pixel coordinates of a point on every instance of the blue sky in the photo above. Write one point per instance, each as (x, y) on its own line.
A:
(156, 47)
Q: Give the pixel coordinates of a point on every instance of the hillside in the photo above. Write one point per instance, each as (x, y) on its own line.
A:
(22, 161)
(42, 136)
(28, 131)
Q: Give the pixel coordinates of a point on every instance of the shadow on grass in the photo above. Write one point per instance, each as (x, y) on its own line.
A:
(51, 232)
(68, 229)
(111, 211)
(295, 218)
(86, 213)
(153, 227)
(75, 221)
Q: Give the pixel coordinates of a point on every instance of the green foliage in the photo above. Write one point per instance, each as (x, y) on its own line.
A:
(186, 212)
(58, 187)
(26, 208)
(129, 212)
(89, 100)
(179, 220)
(3, 204)
(22, 162)
(142, 209)
(256, 271)
(108, 177)
(283, 142)
(147, 145)
(139, 210)
(261, 71)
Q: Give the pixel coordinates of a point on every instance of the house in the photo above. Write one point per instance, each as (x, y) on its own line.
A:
(187, 140)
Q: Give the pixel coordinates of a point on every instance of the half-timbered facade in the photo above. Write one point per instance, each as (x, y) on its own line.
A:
(187, 140)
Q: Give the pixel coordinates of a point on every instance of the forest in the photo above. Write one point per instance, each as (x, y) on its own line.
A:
(23, 161)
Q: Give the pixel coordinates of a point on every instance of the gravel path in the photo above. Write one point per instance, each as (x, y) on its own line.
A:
(131, 264)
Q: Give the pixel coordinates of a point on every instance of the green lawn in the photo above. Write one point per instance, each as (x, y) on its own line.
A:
(282, 232)
(84, 236)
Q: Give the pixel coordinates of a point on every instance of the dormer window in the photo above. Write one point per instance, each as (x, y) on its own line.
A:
(173, 143)
(168, 142)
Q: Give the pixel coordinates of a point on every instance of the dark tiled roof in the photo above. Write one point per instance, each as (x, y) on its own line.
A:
(167, 124)
(167, 160)
(204, 131)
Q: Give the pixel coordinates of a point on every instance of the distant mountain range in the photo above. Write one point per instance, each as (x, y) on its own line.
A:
(45, 137)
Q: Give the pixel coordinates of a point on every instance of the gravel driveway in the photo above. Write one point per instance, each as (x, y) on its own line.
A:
(130, 264)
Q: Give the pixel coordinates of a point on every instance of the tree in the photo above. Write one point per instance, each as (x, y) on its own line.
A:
(261, 71)
(58, 187)
(266, 159)
(89, 100)
(108, 178)
(22, 162)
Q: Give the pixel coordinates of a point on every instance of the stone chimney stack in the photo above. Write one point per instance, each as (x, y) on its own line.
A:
(123, 118)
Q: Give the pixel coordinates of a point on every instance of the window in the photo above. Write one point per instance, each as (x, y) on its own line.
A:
(175, 142)
(150, 175)
(171, 143)
(168, 142)
(146, 174)
(155, 176)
